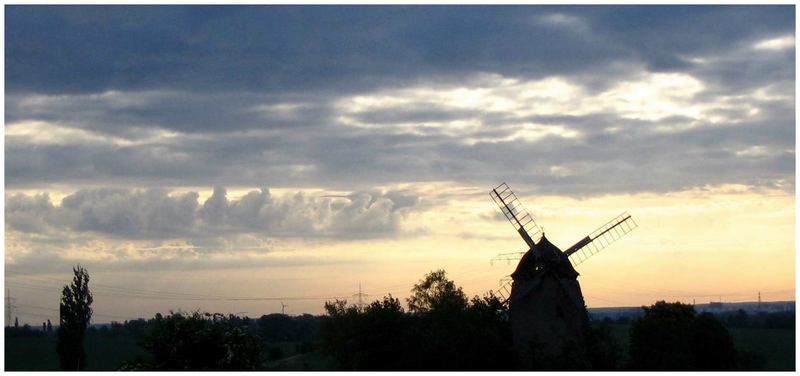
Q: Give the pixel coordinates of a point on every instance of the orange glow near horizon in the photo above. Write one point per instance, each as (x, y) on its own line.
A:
(726, 242)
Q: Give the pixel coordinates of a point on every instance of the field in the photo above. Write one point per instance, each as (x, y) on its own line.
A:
(775, 345)
(39, 353)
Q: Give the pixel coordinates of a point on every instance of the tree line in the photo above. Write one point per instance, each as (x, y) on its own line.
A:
(442, 329)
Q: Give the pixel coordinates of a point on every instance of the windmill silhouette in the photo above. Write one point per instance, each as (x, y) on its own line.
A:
(546, 306)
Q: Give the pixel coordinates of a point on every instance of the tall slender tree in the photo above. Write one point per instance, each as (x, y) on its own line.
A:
(75, 315)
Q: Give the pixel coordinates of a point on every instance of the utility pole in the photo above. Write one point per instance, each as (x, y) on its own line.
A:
(360, 302)
(10, 307)
(360, 297)
(759, 300)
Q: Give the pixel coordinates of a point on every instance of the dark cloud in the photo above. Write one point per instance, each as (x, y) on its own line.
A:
(130, 214)
(345, 49)
(132, 115)
(157, 214)
(253, 96)
(635, 157)
(28, 213)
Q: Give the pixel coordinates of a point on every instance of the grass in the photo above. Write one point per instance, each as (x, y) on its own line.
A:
(776, 346)
(39, 353)
(312, 361)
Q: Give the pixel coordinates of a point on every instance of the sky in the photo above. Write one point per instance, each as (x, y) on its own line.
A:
(233, 159)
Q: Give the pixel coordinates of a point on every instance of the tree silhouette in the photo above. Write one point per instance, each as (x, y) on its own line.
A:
(711, 345)
(201, 342)
(75, 313)
(659, 340)
(671, 336)
(436, 293)
(443, 331)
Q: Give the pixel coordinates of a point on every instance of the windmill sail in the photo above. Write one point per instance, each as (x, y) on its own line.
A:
(507, 257)
(512, 208)
(600, 238)
(505, 287)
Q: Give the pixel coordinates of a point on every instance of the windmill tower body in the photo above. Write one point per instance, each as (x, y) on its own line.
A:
(547, 311)
(546, 307)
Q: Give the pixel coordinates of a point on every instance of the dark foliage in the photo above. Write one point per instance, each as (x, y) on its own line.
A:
(22, 332)
(75, 312)
(671, 336)
(443, 331)
(200, 342)
(275, 353)
(278, 327)
(760, 320)
(603, 351)
(300, 332)
(711, 344)
(435, 293)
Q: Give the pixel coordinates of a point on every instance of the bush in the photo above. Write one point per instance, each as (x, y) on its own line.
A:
(443, 331)
(671, 336)
(202, 342)
(603, 351)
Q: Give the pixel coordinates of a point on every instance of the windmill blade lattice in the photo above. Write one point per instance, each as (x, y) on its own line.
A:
(600, 238)
(507, 257)
(505, 287)
(512, 208)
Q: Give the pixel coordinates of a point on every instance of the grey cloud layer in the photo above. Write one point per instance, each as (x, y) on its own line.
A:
(345, 49)
(154, 214)
(636, 156)
(299, 96)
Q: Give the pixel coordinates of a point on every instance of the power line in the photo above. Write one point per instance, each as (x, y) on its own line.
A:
(10, 307)
(46, 284)
(94, 313)
(172, 295)
(120, 293)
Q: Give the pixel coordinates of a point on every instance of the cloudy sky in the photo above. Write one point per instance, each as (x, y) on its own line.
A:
(229, 158)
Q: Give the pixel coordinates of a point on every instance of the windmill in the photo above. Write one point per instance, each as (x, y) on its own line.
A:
(546, 307)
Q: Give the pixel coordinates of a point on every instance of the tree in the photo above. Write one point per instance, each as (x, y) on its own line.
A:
(201, 342)
(711, 345)
(436, 293)
(49, 326)
(671, 336)
(443, 331)
(601, 347)
(367, 339)
(659, 339)
(16, 322)
(75, 313)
